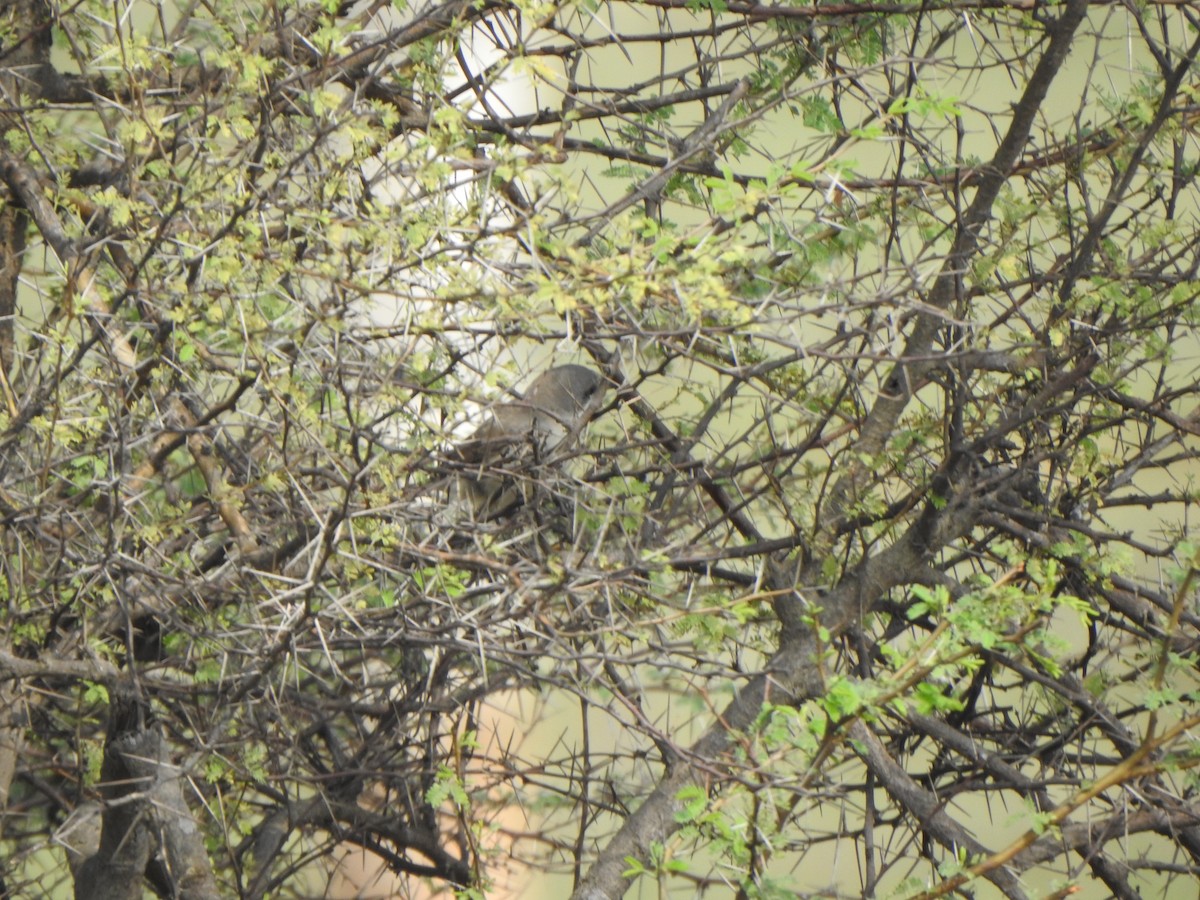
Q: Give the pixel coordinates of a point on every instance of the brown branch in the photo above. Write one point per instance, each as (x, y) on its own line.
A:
(924, 806)
(1135, 766)
(789, 677)
(899, 384)
(792, 670)
(49, 666)
(144, 811)
(14, 223)
(694, 144)
(762, 11)
(24, 184)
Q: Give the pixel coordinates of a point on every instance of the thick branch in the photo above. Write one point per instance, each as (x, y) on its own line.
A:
(144, 811)
(900, 383)
(929, 812)
(790, 677)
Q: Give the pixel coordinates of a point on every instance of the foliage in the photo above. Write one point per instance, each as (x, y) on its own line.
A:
(879, 542)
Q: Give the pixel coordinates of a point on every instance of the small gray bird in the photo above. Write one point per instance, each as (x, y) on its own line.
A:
(501, 458)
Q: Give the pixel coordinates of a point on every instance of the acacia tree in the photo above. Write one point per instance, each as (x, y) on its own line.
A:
(898, 304)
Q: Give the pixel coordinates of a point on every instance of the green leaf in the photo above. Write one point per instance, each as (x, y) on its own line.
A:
(694, 801)
(95, 693)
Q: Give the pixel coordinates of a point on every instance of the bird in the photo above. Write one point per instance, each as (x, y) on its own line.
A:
(499, 462)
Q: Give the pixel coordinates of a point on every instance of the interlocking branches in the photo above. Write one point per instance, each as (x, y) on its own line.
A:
(878, 543)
